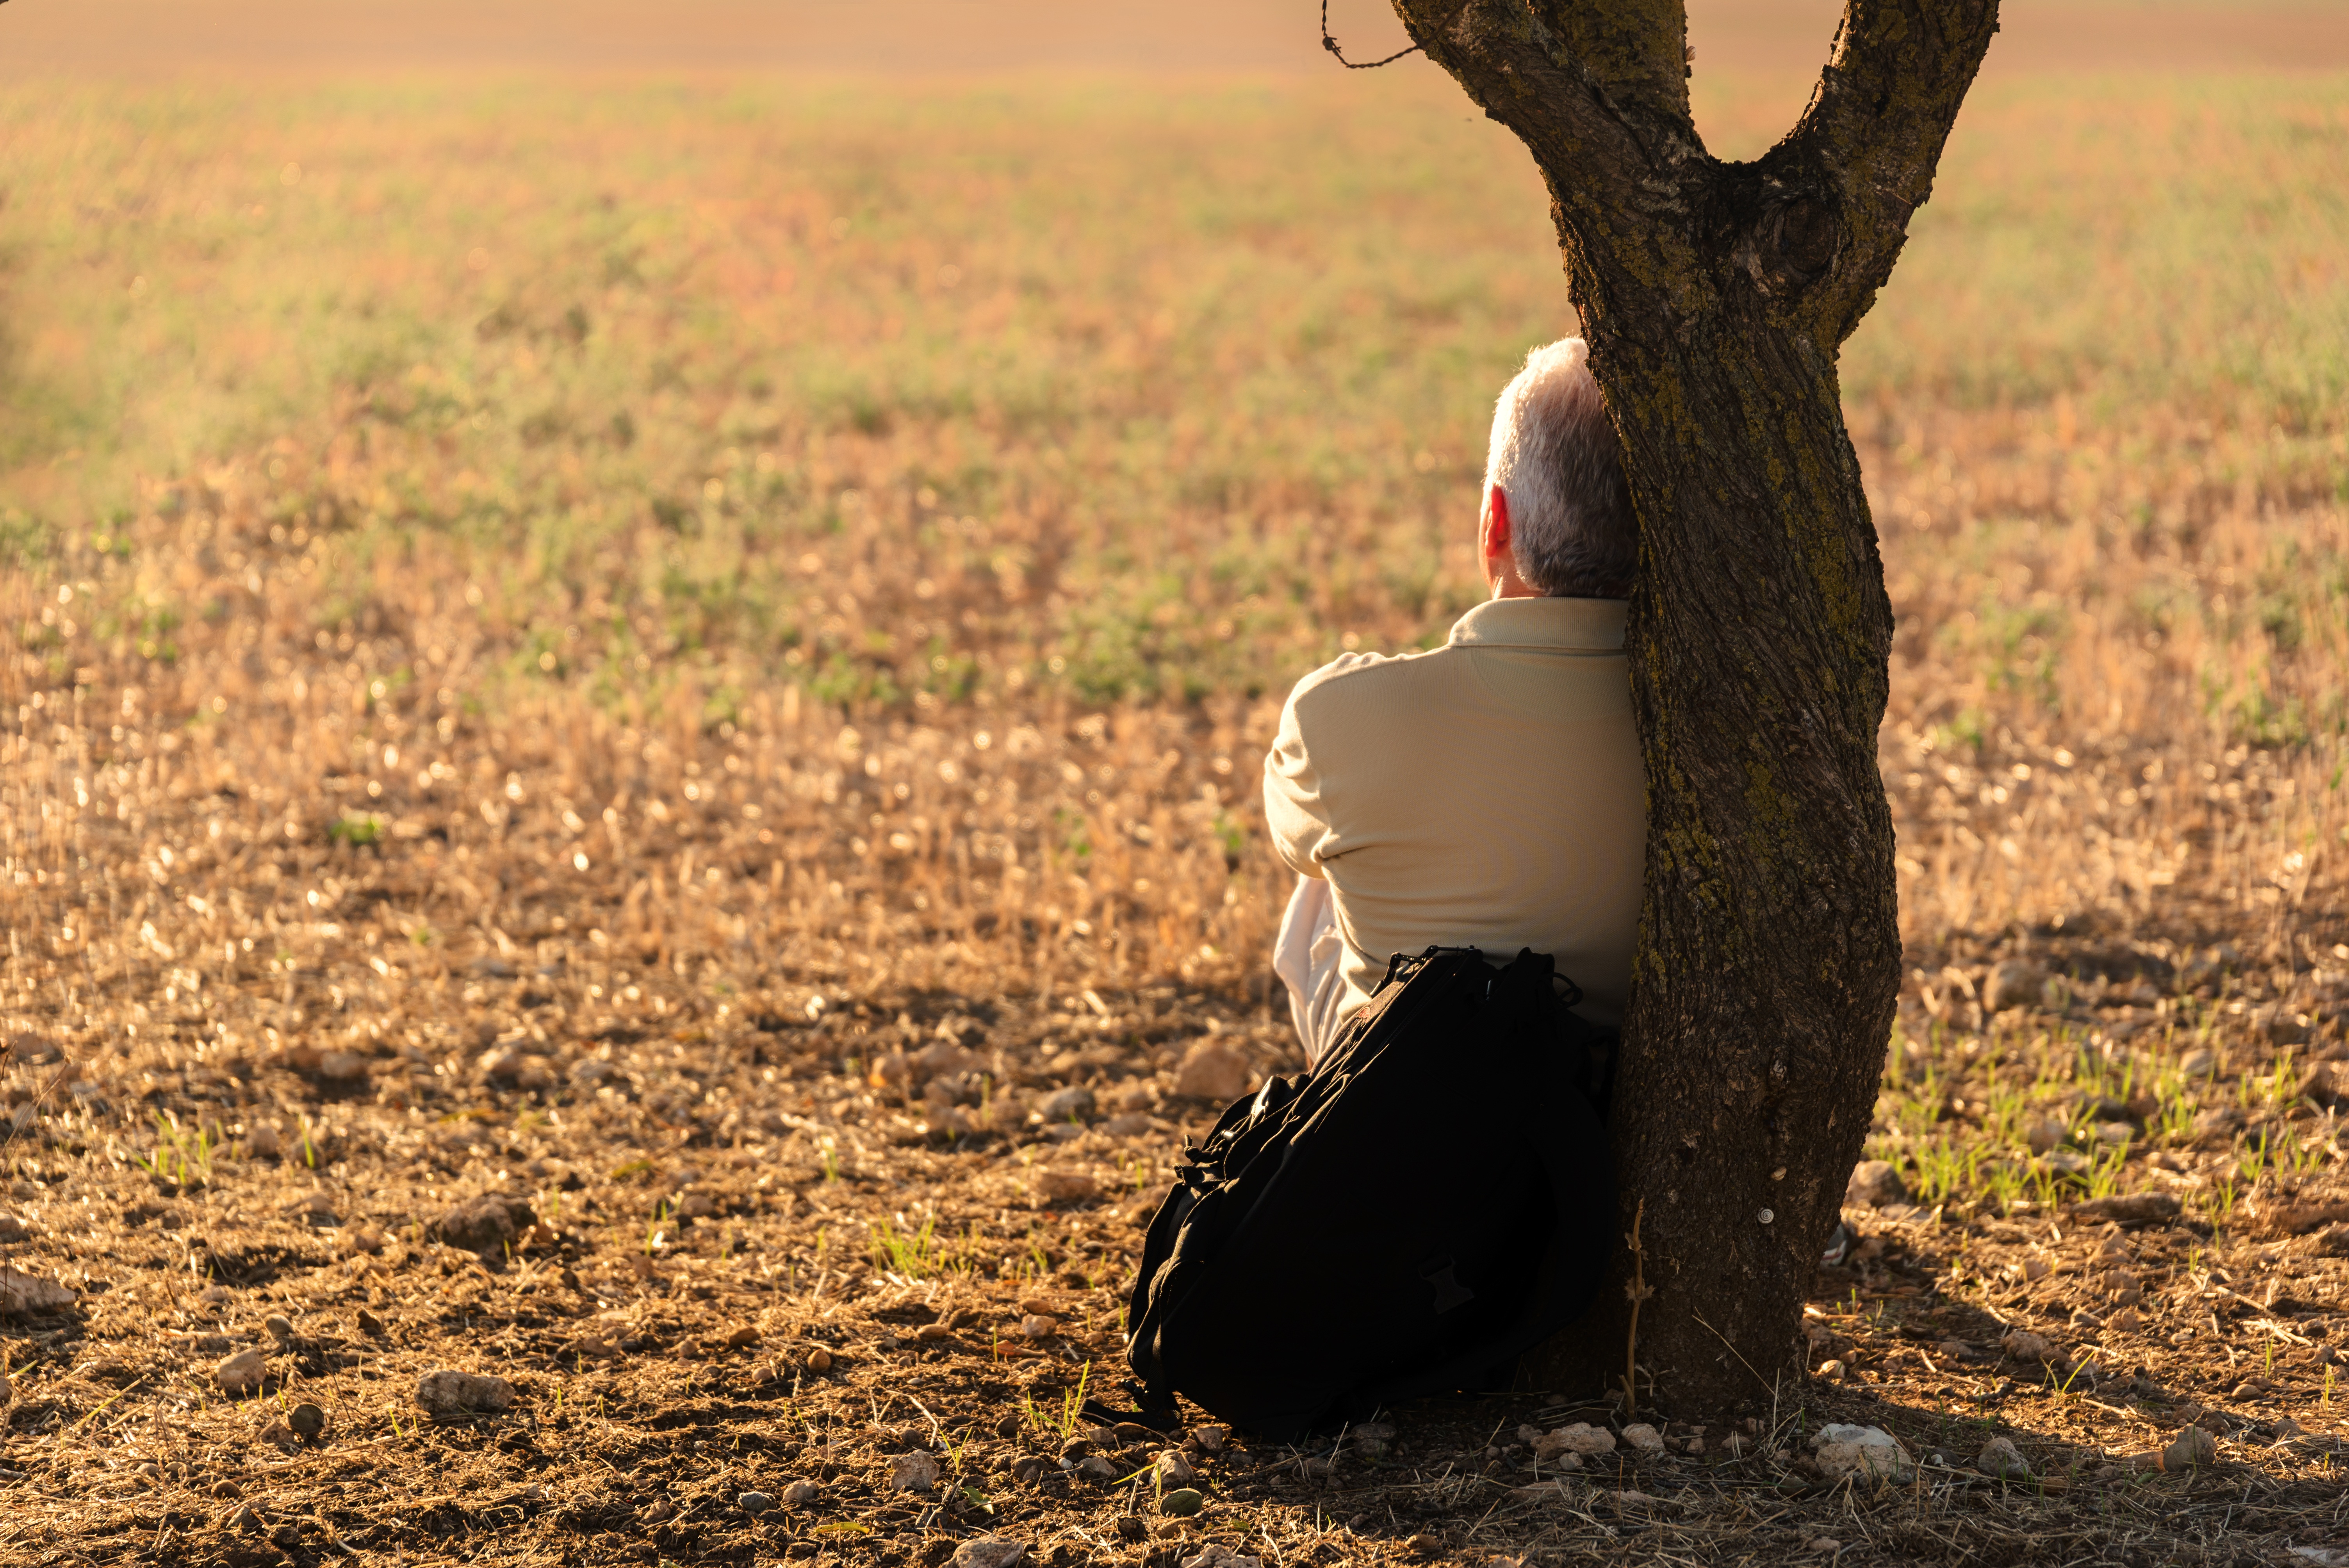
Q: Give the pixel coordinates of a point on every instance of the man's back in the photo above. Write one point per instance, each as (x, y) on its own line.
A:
(1488, 793)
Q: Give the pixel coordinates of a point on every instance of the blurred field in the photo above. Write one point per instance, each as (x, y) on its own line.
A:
(1785, 39)
(933, 416)
(695, 632)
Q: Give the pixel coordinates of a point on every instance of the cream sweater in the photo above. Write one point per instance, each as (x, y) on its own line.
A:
(1487, 793)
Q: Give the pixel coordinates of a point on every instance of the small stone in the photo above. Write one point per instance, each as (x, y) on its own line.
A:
(1212, 1071)
(1211, 1439)
(1174, 1470)
(279, 1436)
(1133, 1124)
(1075, 1101)
(916, 1473)
(1827, 1544)
(451, 1393)
(1873, 1184)
(1581, 1438)
(279, 1328)
(988, 1551)
(2001, 1457)
(307, 1420)
(1182, 1502)
(21, 1292)
(1865, 1451)
(240, 1374)
(1036, 1326)
(1095, 1467)
(2025, 1346)
(819, 1360)
(1372, 1440)
(263, 1143)
(1644, 1438)
(658, 1511)
(742, 1338)
(2201, 1062)
(2193, 1448)
(754, 1502)
(12, 1229)
(800, 1493)
(1068, 1187)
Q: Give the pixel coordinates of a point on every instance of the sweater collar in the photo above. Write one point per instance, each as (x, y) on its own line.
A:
(1575, 625)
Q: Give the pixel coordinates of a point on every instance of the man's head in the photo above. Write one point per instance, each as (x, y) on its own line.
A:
(1558, 515)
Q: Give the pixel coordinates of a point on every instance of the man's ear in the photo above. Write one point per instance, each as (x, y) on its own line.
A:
(1496, 520)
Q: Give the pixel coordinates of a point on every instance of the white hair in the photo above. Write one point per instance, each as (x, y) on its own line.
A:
(1556, 457)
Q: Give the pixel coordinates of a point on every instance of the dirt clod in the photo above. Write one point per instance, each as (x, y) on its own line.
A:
(483, 1225)
(1068, 1186)
(448, 1393)
(1874, 1183)
(25, 1292)
(914, 1472)
(988, 1551)
(1843, 1451)
(2129, 1209)
(2001, 1457)
(1212, 1071)
(240, 1374)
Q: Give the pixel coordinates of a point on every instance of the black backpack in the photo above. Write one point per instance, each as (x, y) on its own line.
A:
(1433, 1200)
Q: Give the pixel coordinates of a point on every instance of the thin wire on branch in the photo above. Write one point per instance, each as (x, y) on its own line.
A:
(1328, 42)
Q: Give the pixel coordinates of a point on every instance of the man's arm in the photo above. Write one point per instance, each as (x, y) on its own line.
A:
(1293, 808)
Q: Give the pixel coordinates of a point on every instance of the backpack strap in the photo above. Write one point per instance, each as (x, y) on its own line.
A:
(1156, 1407)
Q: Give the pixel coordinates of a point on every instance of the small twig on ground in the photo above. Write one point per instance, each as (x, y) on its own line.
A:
(1637, 1291)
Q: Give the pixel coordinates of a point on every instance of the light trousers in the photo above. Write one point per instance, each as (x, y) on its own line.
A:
(1307, 955)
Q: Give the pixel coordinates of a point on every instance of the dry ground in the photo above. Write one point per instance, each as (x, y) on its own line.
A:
(538, 676)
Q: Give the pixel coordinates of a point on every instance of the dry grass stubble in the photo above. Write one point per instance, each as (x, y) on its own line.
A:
(743, 960)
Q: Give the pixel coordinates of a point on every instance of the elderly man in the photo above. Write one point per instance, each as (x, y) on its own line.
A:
(1487, 793)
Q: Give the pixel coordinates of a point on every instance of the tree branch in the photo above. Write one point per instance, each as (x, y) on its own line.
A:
(1598, 93)
(1860, 162)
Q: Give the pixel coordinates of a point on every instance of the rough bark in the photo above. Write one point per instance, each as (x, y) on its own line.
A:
(1715, 297)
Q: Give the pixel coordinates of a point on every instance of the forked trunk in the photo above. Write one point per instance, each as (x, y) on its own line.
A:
(1715, 297)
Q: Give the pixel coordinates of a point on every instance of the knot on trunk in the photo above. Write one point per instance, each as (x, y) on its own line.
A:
(1792, 243)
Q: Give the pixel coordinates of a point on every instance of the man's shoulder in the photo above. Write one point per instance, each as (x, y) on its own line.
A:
(1351, 678)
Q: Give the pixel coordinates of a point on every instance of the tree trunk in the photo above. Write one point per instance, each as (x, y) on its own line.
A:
(1715, 297)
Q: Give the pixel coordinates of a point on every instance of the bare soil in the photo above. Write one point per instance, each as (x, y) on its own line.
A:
(756, 1242)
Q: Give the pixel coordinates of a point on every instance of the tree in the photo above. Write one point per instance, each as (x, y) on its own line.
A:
(1715, 297)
